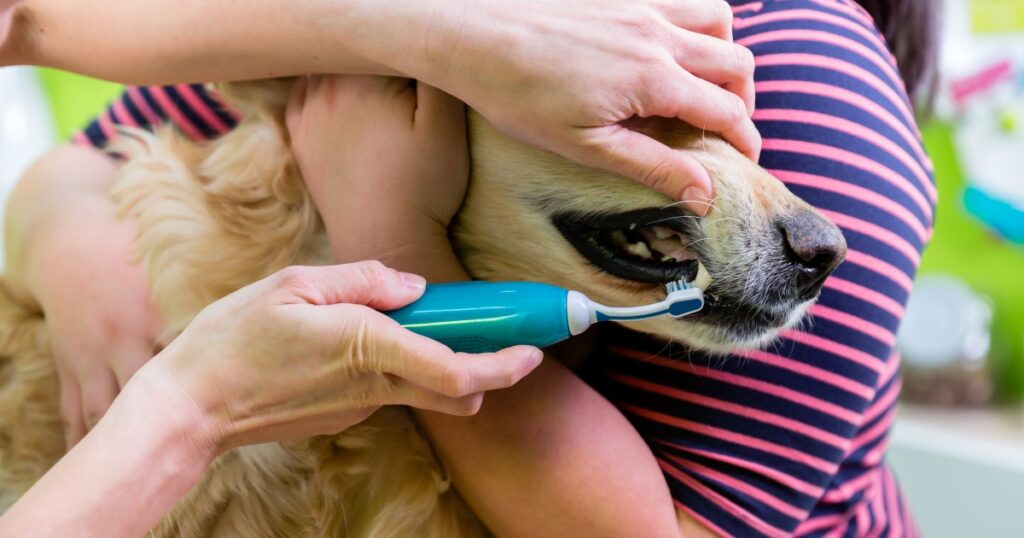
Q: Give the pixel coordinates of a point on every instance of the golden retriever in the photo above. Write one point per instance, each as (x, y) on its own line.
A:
(214, 217)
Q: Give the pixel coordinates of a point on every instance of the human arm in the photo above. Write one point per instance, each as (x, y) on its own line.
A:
(69, 256)
(301, 353)
(385, 162)
(559, 75)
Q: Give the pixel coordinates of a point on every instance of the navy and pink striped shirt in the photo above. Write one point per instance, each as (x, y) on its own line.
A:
(791, 439)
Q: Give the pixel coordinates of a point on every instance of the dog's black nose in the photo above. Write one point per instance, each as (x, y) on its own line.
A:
(814, 246)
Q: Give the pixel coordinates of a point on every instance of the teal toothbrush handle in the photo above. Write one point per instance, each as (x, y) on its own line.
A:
(481, 317)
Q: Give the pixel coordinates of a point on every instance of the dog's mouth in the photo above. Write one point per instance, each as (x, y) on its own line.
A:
(648, 245)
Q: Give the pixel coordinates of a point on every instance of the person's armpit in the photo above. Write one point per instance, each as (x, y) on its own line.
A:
(691, 528)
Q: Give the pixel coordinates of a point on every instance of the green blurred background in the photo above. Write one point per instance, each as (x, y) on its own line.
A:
(963, 248)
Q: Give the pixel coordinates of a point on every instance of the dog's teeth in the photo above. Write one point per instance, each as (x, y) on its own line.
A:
(662, 232)
(639, 249)
(667, 259)
(632, 226)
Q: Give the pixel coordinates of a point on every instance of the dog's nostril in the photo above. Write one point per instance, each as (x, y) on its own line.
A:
(814, 246)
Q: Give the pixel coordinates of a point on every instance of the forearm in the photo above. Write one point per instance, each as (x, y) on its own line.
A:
(551, 457)
(526, 462)
(213, 40)
(123, 477)
(63, 195)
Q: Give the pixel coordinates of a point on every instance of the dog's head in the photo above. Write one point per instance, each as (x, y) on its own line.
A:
(761, 254)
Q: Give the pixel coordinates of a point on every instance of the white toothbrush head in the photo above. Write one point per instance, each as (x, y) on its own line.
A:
(683, 298)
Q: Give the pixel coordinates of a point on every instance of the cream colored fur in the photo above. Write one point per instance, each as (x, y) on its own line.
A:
(215, 217)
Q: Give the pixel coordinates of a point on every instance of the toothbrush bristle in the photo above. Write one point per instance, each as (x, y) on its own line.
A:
(677, 285)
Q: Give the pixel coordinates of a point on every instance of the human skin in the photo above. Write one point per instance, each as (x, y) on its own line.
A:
(526, 464)
(561, 75)
(304, 352)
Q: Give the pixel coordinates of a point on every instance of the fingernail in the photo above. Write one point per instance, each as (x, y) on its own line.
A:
(696, 195)
(414, 282)
(536, 356)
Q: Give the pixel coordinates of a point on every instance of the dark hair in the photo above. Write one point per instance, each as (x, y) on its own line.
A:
(911, 29)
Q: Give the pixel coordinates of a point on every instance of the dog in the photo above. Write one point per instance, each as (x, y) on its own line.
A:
(214, 217)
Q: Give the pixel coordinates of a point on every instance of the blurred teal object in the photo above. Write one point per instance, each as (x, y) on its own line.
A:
(1001, 215)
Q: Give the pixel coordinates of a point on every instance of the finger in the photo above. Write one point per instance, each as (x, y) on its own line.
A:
(709, 17)
(98, 390)
(707, 107)
(442, 111)
(296, 102)
(414, 396)
(669, 171)
(71, 409)
(368, 283)
(719, 62)
(425, 362)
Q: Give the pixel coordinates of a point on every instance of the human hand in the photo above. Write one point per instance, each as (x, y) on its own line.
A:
(563, 75)
(385, 160)
(99, 316)
(305, 352)
(69, 256)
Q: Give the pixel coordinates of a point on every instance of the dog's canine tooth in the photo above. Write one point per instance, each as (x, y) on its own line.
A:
(639, 249)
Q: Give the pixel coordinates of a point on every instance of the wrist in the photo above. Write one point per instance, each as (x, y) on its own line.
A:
(189, 430)
(426, 32)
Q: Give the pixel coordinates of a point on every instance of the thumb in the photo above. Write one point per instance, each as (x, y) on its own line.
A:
(369, 283)
(669, 171)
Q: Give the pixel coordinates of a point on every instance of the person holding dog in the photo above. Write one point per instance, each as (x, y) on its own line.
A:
(744, 486)
(574, 113)
(304, 352)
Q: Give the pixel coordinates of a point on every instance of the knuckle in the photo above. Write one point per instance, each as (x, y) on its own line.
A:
(456, 383)
(645, 22)
(374, 272)
(468, 405)
(744, 60)
(291, 278)
(722, 14)
(735, 110)
(657, 177)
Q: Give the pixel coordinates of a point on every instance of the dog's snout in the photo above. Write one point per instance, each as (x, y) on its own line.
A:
(814, 246)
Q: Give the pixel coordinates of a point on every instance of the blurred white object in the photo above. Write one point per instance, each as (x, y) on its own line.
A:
(26, 128)
(945, 322)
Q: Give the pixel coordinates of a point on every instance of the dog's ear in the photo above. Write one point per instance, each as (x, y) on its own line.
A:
(20, 327)
(31, 437)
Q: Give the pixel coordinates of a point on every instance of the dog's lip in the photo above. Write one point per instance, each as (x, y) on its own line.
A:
(740, 316)
(583, 231)
(670, 217)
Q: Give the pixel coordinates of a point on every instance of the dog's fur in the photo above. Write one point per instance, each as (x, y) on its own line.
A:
(215, 217)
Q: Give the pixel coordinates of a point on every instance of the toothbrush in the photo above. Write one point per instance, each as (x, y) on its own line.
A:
(480, 317)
